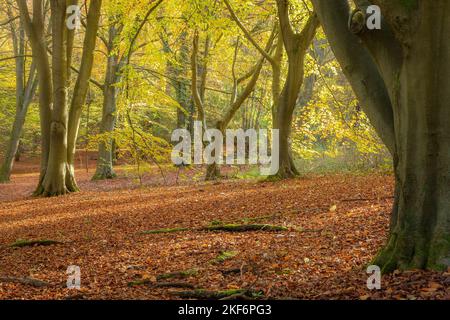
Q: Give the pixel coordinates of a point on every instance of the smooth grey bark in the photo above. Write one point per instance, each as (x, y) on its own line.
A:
(420, 236)
(400, 76)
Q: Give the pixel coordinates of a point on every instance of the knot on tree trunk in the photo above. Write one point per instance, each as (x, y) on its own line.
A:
(58, 127)
(357, 21)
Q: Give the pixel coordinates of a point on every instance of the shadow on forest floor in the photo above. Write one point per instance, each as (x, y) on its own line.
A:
(335, 225)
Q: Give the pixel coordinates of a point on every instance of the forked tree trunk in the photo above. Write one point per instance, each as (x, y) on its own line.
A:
(400, 75)
(237, 100)
(59, 130)
(296, 48)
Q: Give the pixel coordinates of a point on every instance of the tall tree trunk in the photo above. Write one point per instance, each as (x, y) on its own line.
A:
(25, 90)
(177, 73)
(54, 180)
(296, 47)
(105, 169)
(114, 67)
(14, 141)
(35, 31)
(81, 88)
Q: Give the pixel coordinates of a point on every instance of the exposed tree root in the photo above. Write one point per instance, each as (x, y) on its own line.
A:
(31, 243)
(172, 285)
(27, 281)
(166, 276)
(217, 295)
(287, 170)
(244, 227)
(181, 285)
(165, 231)
(178, 274)
(54, 186)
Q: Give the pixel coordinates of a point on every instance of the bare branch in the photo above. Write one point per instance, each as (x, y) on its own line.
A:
(247, 33)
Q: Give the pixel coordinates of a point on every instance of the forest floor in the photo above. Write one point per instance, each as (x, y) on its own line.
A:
(335, 225)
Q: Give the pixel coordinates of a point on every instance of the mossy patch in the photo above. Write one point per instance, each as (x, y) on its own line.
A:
(225, 255)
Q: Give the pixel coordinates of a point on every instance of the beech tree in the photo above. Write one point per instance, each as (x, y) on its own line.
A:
(237, 98)
(117, 60)
(26, 83)
(285, 96)
(59, 113)
(400, 75)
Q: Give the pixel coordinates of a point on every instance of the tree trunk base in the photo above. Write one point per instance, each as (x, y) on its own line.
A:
(287, 170)
(400, 255)
(4, 178)
(213, 173)
(53, 185)
(104, 173)
(5, 171)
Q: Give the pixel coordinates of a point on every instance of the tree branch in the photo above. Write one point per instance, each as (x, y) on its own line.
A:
(247, 33)
(382, 44)
(359, 68)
